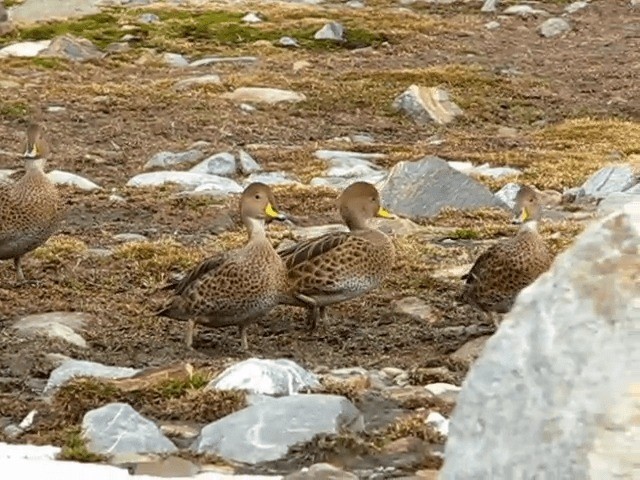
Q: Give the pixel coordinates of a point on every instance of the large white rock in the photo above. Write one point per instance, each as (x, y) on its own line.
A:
(185, 179)
(263, 95)
(25, 49)
(82, 368)
(67, 178)
(554, 384)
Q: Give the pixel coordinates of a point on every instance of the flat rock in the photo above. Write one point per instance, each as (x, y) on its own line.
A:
(185, 179)
(553, 27)
(36, 10)
(507, 194)
(171, 159)
(175, 59)
(470, 351)
(321, 471)
(330, 31)
(550, 397)
(265, 431)
(67, 178)
(186, 83)
(267, 377)
(576, 6)
(247, 163)
(444, 391)
(203, 62)
(64, 325)
(263, 95)
(223, 164)
(220, 186)
(424, 187)
(273, 178)
(72, 48)
(427, 105)
(24, 49)
(616, 201)
(608, 180)
(415, 308)
(524, 11)
(117, 428)
(81, 368)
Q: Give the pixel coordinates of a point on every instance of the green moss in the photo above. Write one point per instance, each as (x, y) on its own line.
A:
(49, 63)
(464, 234)
(75, 449)
(13, 109)
(177, 388)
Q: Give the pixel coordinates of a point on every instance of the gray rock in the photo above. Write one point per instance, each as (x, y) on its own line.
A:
(288, 42)
(484, 169)
(82, 368)
(252, 17)
(117, 428)
(427, 105)
(223, 164)
(129, 237)
(576, 6)
(363, 138)
(217, 60)
(424, 187)
(507, 194)
(67, 178)
(148, 18)
(273, 178)
(339, 155)
(171, 159)
(186, 83)
(175, 60)
(492, 25)
(263, 95)
(489, 6)
(64, 325)
(264, 432)
(550, 391)
(617, 201)
(185, 179)
(354, 4)
(608, 180)
(247, 164)
(219, 186)
(554, 27)
(36, 10)
(72, 48)
(524, 11)
(25, 49)
(330, 31)
(321, 471)
(267, 377)
(341, 183)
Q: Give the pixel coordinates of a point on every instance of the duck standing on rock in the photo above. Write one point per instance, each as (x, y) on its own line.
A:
(500, 273)
(31, 208)
(238, 286)
(340, 266)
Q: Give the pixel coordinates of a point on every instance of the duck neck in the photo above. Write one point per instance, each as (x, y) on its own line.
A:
(530, 226)
(256, 229)
(356, 223)
(34, 165)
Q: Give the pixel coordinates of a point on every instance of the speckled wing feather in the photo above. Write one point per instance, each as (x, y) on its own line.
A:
(204, 267)
(312, 248)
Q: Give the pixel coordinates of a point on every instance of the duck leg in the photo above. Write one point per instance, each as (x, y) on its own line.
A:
(244, 344)
(17, 261)
(314, 310)
(188, 337)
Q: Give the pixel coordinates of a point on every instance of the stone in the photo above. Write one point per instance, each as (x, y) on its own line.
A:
(148, 18)
(438, 422)
(223, 164)
(576, 6)
(543, 395)
(610, 179)
(24, 49)
(218, 186)
(175, 59)
(171, 159)
(187, 83)
(117, 428)
(263, 95)
(492, 25)
(470, 351)
(354, 4)
(252, 17)
(72, 48)
(288, 42)
(424, 187)
(203, 62)
(330, 31)
(485, 169)
(247, 163)
(444, 391)
(616, 201)
(31, 11)
(524, 11)
(489, 6)
(81, 368)
(273, 178)
(265, 431)
(553, 27)
(67, 178)
(267, 377)
(185, 179)
(129, 237)
(64, 325)
(415, 308)
(507, 193)
(427, 105)
(321, 471)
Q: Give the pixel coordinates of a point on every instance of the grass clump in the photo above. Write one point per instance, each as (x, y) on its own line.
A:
(464, 234)
(75, 448)
(13, 110)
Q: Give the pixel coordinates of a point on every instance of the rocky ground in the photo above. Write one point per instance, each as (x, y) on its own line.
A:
(554, 104)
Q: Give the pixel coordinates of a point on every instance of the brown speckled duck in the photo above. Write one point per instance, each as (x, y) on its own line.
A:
(30, 208)
(500, 273)
(238, 286)
(340, 266)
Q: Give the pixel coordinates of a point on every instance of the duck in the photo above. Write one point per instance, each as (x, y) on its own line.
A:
(238, 286)
(501, 272)
(340, 266)
(31, 208)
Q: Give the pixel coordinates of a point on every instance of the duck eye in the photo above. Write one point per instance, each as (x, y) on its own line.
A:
(258, 196)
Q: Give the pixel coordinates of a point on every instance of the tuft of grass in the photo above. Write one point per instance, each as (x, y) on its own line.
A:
(352, 388)
(75, 448)
(464, 234)
(13, 109)
(411, 425)
(60, 249)
(49, 63)
(157, 256)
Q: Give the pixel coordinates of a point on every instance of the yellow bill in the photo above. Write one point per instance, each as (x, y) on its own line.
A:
(524, 215)
(384, 213)
(272, 212)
